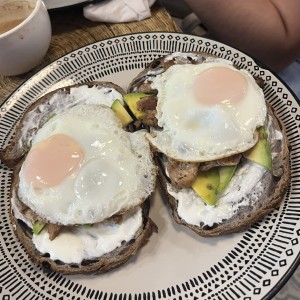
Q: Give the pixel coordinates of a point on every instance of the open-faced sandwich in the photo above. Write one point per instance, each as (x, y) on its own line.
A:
(81, 182)
(223, 153)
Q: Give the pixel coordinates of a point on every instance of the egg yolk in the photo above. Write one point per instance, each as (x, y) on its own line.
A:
(52, 160)
(220, 85)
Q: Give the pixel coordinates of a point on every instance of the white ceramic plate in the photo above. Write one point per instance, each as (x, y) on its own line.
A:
(176, 263)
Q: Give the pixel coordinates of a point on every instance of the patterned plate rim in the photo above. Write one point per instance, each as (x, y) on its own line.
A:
(210, 47)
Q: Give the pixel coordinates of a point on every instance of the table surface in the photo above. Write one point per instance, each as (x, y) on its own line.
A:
(70, 31)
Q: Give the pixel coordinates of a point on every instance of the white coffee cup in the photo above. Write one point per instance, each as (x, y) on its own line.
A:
(25, 34)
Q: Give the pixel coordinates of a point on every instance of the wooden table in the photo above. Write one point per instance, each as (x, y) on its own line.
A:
(70, 31)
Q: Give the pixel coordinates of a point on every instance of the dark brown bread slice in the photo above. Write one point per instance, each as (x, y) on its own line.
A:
(105, 263)
(142, 82)
(13, 156)
(18, 146)
(275, 184)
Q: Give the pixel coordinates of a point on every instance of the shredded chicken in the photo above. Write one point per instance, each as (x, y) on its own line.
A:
(182, 174)
(53, 230)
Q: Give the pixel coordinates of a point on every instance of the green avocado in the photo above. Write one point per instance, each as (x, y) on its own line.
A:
(37, 227)
(121, 112)
(261, 152)
(88, 225)
(206, 185)
(131, 99)
(225, 173)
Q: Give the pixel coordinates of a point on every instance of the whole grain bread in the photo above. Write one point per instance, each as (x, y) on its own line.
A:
(102, 264)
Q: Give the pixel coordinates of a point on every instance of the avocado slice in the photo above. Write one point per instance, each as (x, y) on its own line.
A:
(37, 227)
(261, 152)
(131, 99)
(206, 185)
(88, 225)
(225, 173)
(121, 112)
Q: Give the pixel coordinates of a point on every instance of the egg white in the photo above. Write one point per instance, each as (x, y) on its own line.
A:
(61, 101)
(117, 171)
(192, 131)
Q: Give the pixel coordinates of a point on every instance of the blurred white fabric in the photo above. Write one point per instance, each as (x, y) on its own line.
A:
(118, 11)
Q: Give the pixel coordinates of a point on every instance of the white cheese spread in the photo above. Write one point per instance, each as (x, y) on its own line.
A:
(193, 210)
(75, 244)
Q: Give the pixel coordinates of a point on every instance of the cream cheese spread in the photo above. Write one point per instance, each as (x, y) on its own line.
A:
(193, 210)
(77, 243)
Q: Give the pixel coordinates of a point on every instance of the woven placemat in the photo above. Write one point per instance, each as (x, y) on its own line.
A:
(70, 31)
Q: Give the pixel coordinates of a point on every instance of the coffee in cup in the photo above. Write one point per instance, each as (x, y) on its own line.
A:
(25, 34)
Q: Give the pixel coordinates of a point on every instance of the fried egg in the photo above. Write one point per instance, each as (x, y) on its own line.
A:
(83, 167)
(62, 100)
(206, 111)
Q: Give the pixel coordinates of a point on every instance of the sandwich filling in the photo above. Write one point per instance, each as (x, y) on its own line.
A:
(193, 209)
(248, 184)
(75, 244)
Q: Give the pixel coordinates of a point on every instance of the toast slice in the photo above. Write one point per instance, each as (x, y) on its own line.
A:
(24, 218)
(176, 181)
